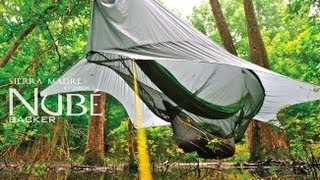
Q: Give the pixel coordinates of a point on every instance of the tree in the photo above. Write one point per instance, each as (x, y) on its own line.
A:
(133, 166)
(131, 140)
(263, 140)
(43, 27)
(224, 32)
(34, 37)
(257, 131)
(95, 144)
(16, 44)
(258, 52)
(29, 18)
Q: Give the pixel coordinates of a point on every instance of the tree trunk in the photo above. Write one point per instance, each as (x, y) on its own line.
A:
(131, 140)
(95, 141)
(222, 27)
(258, 52)
(263, 141)
(133, 166)
(266, 142)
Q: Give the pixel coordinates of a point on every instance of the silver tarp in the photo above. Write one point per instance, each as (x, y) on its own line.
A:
(221, 92)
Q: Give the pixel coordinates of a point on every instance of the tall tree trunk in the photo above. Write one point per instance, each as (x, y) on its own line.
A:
(263, 141)
(222, 27)
(133, 166)
(131, 140)
(258, 52)
(95, 142)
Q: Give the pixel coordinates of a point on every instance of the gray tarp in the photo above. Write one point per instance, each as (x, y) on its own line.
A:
(234, 89)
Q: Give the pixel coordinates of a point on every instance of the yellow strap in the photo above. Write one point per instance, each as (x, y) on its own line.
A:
(143, 156)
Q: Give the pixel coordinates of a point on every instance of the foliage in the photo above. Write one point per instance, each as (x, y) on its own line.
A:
(272, 170)
(37, 169)
(214, 144)
(242, 153)
(302, 130)
(289, 29)
(56, 43)
(118, 143)
(192, 157)
(78, 159)
(161, 145)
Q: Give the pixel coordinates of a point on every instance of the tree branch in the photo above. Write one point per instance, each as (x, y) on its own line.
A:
(6, 85)
(55, 45)
(25, 33)
(16, 44)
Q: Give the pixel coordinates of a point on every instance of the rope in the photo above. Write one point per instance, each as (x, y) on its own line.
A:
(143, 156)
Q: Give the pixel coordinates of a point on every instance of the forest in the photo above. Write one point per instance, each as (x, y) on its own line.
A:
(41, 40)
